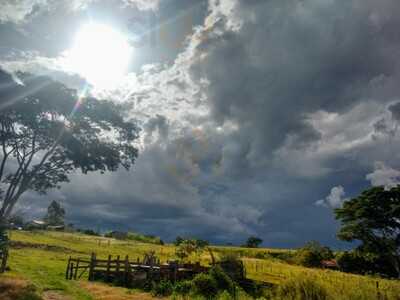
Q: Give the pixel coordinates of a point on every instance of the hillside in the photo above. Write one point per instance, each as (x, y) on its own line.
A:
(40, 258)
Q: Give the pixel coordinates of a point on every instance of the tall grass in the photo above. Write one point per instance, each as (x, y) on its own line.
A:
(45, 268)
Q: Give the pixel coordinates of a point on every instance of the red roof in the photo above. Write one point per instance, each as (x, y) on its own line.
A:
(329, 263)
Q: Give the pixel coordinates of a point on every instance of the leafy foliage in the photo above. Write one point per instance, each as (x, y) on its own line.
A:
(47, 131)
(353, 262)
(162, 288)
(55, 214)
(205, 285)
(224, 282)
(253, 242)
(189, 247)
(183, 287)
(312, 254)
(374, 219)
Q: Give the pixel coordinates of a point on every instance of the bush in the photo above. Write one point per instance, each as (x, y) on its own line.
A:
(225, 296)
(232, 265)
(90, 232)
(205, 285)
(183, 287)
(163, 288)
(312, 254)
(223, 281)
(361, 263)
(301, 289)
(308, 258)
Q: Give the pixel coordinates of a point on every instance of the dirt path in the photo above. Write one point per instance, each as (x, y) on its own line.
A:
(52, 295)
(101, 291)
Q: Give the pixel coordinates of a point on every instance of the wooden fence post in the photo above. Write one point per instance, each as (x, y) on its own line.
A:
(92, 266)
(76, 269)
(117, 267)
(3, 257)
(67, 271)
(108, 268)
(126, 270)
(71, 271)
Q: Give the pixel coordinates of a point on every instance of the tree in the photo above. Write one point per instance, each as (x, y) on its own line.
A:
(47, 131)
(253, 242)
(178, 240)
(373, 218)
(55, 214)
(188, 247)
(17, 220)
(312, 254)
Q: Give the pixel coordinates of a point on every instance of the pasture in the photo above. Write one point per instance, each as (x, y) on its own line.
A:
(40, 259)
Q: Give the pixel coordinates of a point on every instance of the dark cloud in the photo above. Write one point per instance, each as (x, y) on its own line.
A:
(267, 108)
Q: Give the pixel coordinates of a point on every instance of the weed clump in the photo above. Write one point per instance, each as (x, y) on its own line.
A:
(162, 288)
(183, 287)
(205, 285)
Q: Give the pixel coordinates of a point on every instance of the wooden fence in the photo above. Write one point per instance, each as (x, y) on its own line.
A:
(3, 260)
(125, 271)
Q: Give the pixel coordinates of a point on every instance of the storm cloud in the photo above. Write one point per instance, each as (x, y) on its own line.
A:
(260, 110)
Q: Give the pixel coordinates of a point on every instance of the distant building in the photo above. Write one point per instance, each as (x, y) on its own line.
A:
(36, 224)
(330, 264)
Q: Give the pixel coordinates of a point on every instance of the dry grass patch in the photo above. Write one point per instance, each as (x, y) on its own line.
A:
(17, 289)
(100, 291)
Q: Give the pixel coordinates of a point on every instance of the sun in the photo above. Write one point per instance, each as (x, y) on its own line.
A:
(100, 54)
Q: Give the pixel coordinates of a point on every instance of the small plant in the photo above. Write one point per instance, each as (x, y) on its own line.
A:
(205, 285)
(224, 282)
(163, 288)
(183, 287)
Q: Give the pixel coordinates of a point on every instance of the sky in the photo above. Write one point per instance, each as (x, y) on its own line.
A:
(258, 117)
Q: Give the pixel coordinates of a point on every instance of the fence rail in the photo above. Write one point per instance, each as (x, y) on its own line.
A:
(125, 271)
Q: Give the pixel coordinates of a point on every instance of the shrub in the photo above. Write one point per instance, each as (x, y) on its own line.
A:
(361, 263)
(225, 296)
(232, 266)
(312, 254)
(301, 289)
(224, 282)
(90, 232)
(163, 288)
(205, 285)
(183, 287)
(307, 258)
(262, 255)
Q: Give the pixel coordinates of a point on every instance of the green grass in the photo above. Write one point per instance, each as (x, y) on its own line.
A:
(44, 266)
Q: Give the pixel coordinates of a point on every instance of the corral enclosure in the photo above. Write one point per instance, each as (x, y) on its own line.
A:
(41, 257)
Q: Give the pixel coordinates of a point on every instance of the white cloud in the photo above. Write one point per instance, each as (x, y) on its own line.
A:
(335, 199)
(17, 10)
(384, 175)
(144, 4)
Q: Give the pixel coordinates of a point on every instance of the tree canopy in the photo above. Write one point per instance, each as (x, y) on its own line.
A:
(253, 242)
(373, 218)
(55, 214)
(48, 131)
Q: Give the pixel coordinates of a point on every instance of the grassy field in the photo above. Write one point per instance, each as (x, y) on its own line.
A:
(41, 257)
